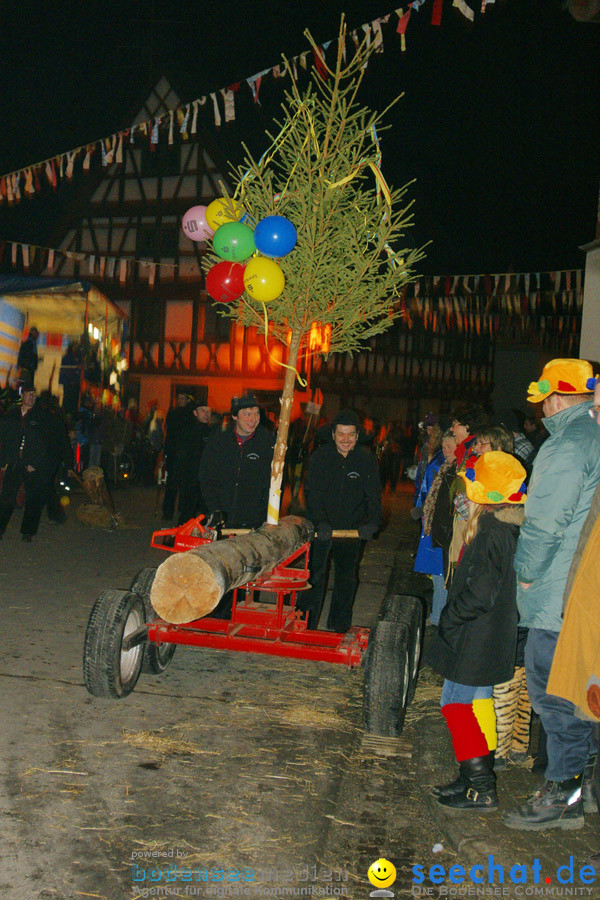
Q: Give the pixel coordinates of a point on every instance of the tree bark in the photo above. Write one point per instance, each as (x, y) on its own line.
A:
(189, 585)
(287, 400)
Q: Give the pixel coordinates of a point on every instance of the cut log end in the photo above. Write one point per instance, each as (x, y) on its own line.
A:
(189, 585)
(184, 589)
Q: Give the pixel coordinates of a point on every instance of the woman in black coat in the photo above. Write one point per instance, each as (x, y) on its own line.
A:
(475, 645)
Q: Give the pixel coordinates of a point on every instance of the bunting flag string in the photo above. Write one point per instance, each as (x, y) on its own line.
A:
(111, 148)
(464, 302)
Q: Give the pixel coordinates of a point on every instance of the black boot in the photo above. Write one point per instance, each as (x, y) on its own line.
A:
(588, 788)
(479, 792)
(455, 787)
(557, 805)
(458, 785)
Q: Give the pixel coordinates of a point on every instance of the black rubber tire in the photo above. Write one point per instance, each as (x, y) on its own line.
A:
(157, 657)
(386, 679)
(414, 616)
(410, 610)
(107, 670)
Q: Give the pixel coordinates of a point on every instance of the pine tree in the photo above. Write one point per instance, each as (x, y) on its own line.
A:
(322, 172)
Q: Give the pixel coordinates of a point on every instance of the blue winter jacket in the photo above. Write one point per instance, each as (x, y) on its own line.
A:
(565, 475)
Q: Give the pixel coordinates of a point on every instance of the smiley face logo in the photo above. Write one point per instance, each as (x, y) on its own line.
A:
(382, 873)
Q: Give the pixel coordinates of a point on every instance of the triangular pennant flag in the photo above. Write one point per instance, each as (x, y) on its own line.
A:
(377, 35)
(465, 9)
(216, 110)
(228, 104)
(436, 12)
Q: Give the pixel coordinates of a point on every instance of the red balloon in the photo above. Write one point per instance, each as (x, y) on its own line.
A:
(225, 281)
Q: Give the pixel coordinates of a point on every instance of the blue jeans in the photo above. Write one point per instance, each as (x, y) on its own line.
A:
(569, 739)
(440, 595)
(464, 693)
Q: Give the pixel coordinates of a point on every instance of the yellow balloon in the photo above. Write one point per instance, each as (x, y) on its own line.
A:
(220, 211)
(263, 279)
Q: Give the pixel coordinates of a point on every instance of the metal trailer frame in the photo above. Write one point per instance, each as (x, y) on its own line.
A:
(272, 628)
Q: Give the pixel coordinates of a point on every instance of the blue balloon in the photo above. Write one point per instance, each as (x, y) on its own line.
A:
(275, 236)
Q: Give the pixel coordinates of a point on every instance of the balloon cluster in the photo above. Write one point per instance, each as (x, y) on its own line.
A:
(238, 246)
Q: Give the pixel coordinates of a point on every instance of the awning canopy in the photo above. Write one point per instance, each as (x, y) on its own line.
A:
(59, 304)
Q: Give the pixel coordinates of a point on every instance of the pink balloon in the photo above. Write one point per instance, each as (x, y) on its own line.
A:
(194, 224)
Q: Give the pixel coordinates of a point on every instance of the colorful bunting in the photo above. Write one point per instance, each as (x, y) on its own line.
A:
(112, 147)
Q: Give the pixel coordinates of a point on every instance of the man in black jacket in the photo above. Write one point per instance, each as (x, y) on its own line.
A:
(173, 423)
(25, 437)
(235, 469)
(343, 491)
(27, 360)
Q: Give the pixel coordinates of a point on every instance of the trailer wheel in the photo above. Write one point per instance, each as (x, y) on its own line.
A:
(410, 610)
(156, 656)
(108, 670)
(387, 679)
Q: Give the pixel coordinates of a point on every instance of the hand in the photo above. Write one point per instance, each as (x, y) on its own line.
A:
(30, 469)
(525, 585)
(324, 531)
(366, 532)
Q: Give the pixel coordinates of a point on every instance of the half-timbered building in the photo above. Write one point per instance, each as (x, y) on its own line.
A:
(126, 236)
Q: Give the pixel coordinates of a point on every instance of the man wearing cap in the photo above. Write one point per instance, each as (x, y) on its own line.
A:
(25, 442)
(565, 475)
(235, 469)
(343, 491)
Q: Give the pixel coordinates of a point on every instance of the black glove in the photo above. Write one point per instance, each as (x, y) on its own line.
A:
(366, 532)
(324, 531)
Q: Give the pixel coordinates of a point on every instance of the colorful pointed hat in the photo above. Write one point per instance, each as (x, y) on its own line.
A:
(563, 376)
(496, 477)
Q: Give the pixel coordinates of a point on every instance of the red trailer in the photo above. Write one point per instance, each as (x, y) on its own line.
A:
(125, 638)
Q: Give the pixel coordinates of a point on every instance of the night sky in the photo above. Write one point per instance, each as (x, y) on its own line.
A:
(499, 125)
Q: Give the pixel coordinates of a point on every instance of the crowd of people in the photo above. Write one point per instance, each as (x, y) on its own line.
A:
(506, 520)
(510, 534)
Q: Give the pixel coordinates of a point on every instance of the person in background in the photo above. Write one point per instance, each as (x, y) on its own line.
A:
(60, 455)
(342, 491)
(430, 559)
(429, 446)
(25, 436)
(172, 425)
(524, 450)
(27, 360)
(534, 430)
(565, 475)
(452, 509)
(474, 647)
(69, 376)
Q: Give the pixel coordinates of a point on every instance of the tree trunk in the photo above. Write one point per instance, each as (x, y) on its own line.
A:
(189, 585)
(287, 400)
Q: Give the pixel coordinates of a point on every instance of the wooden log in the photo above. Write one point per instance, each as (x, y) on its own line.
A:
(189, 585)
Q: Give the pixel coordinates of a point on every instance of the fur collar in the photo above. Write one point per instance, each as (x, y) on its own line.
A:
(512, 515)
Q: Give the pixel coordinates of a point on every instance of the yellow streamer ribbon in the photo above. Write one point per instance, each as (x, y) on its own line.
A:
(301, 380)
(381, 182)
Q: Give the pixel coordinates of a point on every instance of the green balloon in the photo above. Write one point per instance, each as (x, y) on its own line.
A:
(234, 241)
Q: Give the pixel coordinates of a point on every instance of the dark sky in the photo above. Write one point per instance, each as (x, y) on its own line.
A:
(499, 125)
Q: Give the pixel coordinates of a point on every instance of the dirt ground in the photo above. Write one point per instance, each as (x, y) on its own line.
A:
(249, 772)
